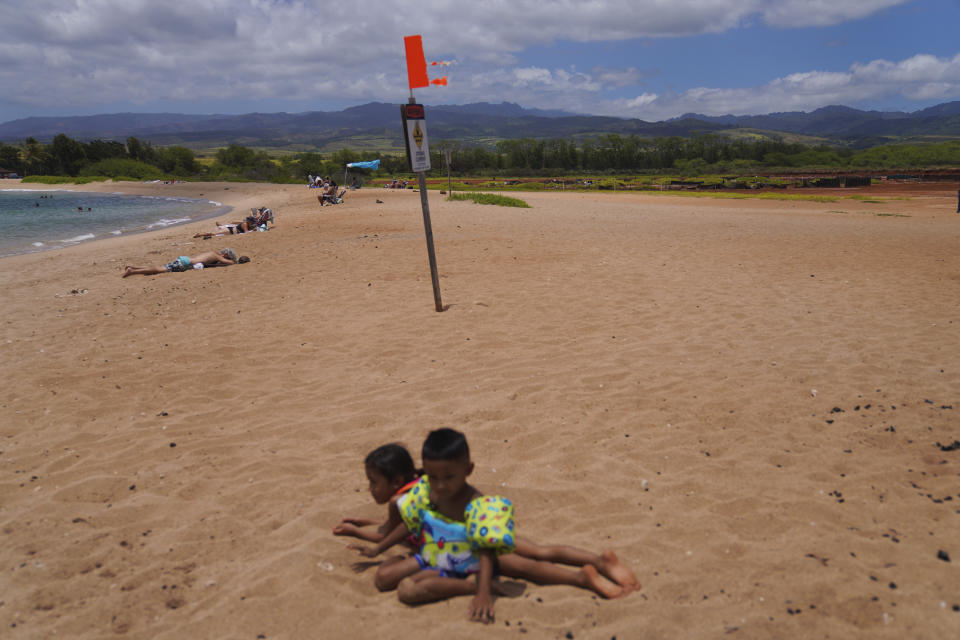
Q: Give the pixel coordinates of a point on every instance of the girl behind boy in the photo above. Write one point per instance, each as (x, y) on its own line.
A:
(391, 473)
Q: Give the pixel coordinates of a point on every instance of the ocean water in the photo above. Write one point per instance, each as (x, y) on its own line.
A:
(41, 220)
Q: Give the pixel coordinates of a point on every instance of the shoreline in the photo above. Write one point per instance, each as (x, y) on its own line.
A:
(216, 209)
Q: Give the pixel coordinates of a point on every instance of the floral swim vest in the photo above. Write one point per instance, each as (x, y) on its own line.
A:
(451, 545)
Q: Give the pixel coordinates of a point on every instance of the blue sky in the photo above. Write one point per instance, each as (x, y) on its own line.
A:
(647, 59)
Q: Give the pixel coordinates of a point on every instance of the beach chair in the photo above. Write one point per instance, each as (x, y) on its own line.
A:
(337, 199)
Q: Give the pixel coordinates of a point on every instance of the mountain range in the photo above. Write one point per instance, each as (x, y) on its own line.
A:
(376, 125)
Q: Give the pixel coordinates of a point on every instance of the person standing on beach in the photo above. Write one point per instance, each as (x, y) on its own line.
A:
(211, 258)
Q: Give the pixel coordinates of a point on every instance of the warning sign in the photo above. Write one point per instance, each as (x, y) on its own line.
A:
(415, 133)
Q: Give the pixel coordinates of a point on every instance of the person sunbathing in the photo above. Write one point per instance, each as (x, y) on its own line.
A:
(328, 195)
(258, 219)
(209, 259)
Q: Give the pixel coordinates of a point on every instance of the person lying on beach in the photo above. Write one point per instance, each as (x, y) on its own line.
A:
(183, 263)
(258, 220)
(391, 473)
(463, 532)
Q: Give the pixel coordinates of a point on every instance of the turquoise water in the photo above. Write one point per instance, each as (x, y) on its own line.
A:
(41, 220)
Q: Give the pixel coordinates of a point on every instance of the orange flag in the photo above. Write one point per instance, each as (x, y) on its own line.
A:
(416, 62)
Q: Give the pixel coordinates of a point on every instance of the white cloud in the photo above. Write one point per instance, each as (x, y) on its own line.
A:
(616, 78)
(77, 54)
(921, 77)
(821, 13)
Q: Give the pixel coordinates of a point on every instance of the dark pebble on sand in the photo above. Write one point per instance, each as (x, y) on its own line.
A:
(954, 446)
(836, 410)
(132, 487)
(173, 444)
(893, 585)
(570, 635)
(943, 555)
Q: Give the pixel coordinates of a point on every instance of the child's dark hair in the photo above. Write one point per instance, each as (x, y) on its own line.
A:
(445, 444)
(392, 460)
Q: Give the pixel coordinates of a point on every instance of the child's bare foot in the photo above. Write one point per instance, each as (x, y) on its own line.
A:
(618, 572)
(127, 271)
(598, 583)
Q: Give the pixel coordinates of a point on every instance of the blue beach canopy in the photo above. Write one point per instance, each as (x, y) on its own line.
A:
(370, 164)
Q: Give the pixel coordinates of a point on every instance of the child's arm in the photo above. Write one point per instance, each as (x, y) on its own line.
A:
(354, 527)
(481, 607)
(393, 517)
(360, 522)
(399, 533)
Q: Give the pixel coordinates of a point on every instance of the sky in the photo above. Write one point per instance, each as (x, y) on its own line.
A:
(646, 59)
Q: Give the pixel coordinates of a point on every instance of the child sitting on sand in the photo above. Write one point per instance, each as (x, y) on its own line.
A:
(462, 533)
(391, 474)
(183, 263)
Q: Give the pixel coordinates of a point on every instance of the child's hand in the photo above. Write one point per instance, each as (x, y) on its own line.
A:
(366, 552)
(481, 608)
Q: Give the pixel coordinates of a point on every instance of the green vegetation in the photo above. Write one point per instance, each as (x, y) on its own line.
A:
(490, 198)
(606, 161)
(67, 160)
(68, 179)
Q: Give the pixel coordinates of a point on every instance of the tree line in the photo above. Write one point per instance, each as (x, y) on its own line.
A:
(140, 160)
(698, 155)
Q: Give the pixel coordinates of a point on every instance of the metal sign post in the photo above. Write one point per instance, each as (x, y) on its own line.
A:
(418, 155)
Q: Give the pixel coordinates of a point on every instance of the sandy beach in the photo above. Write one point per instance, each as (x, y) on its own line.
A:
(754, 403)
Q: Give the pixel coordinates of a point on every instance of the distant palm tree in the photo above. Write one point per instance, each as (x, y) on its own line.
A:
(33, 154)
